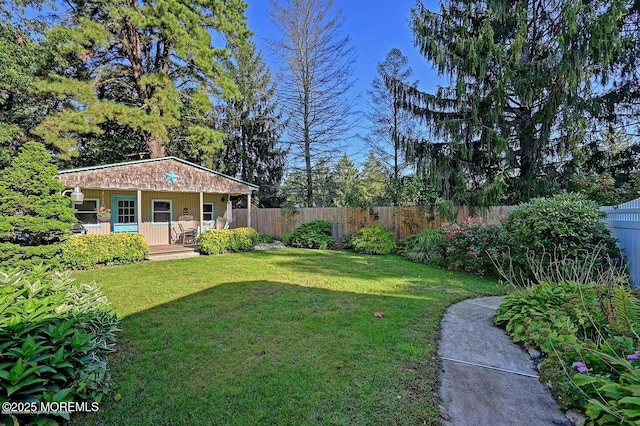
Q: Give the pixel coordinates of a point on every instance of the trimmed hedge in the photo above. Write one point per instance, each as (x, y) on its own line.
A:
(374, 239)
(88, 251)
(219, 241)
(313, 235)
(26, 257)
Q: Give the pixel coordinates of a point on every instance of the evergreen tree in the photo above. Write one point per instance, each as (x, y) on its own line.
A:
(374, 182)
(20, 111)
(348, 184)
(389, 121)
(137, 63)
(514, 110)
(34, 215)
(252, 127)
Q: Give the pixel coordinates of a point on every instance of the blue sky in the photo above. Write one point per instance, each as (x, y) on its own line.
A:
(374, 27)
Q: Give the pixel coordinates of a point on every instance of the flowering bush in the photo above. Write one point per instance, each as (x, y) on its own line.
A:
(467, 244)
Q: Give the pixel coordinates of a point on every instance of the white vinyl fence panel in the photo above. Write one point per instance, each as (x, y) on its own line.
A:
(624, 222)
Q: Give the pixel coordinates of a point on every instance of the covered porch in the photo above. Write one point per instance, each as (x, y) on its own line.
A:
(166, 200)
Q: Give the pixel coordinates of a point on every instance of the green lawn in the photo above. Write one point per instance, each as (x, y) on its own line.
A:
(283, 337)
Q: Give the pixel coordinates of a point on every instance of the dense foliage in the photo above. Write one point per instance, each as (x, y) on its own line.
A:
(54, 338)
(313, 235)
(514, 110)
(252, 127)
(461, 247)
(374, 239)
(581, 328)
(219, 241)
(150, 67)
(35, 218)
(564, 226)
(89, 251)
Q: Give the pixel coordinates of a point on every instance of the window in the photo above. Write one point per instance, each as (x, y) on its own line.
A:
(161, 211)
(87, 212)
(208, 212)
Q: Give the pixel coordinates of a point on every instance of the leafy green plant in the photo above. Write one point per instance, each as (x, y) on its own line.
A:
(343, 243)
(265, 238)
(54, 338)
(88, 251)
(612, 400)
(428, 247)
(568, 225)
(313, 235)
(374, 239)
(573, 323)
(219, 241)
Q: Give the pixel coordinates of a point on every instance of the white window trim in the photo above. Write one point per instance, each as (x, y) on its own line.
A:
(164, 200)
(213, 211)
(98, 205)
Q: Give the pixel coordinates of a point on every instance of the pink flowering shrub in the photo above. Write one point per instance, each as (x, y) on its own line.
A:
(467, 244)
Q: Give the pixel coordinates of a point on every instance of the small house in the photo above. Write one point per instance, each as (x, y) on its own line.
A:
(159, 198)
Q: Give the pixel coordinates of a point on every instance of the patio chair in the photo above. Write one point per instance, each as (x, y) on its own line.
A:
(188, 234)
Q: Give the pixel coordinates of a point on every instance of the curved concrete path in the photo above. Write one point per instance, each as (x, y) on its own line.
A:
(485, 378)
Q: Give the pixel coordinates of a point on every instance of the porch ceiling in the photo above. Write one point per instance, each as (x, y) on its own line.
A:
(161, 174)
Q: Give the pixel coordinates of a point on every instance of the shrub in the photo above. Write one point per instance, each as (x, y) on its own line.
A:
(34, 216)
(88, 251)
(265, 238)
(374, 239)
(219, 241)
(429, 247)
(567, 225)
(55, 335)
(467, 245)
(313, 235)
(343, 243)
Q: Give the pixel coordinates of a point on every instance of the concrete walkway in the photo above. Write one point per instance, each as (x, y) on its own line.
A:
(485, 378)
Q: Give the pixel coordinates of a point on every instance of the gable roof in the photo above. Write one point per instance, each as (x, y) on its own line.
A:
(155, 174)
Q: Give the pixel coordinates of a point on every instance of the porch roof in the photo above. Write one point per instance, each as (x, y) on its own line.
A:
(156, 174)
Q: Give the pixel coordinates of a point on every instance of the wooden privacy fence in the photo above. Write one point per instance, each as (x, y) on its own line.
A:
(624, 222)
(403, 221)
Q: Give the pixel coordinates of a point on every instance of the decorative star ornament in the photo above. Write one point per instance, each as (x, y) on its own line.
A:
(171, 177)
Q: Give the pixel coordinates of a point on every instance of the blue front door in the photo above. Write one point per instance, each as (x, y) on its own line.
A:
(124, 216)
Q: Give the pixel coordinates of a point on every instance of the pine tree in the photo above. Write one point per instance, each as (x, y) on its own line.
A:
(137, 63)
(252, 126)
(34, 215)
(374, 182)
(348, 184)
(514, 109)
(389, 121)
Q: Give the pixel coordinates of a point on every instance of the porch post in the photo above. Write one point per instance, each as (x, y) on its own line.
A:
(201, 208)
(139, 211)
(229, 211)
(249, 210)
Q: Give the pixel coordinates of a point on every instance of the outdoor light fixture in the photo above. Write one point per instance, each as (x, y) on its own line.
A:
(77, 197)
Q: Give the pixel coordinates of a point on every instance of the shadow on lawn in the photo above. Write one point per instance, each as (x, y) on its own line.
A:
(265, 352)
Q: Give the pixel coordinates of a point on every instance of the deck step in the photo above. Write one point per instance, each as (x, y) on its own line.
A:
(174, 255)
(173, 251)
